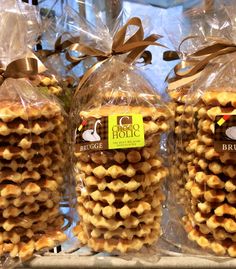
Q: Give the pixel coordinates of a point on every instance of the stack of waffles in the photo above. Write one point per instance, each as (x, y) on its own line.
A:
(30, 177)
(211, 181)
(184, 131)
(119, 191)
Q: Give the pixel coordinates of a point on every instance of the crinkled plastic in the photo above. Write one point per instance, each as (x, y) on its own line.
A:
(119, 185)
(32, 156)
(204, 162)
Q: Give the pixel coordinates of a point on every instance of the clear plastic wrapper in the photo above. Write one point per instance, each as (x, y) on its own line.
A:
(118, 122)
(32, 131)
(118, 176)
(205, 155)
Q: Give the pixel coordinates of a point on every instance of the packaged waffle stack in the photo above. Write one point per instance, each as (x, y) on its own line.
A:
(183, 132)
(211, 171)
(31, 158)
(119, 167)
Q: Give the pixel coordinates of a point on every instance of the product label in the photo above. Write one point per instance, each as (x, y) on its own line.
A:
(112, 132)
(225, 133)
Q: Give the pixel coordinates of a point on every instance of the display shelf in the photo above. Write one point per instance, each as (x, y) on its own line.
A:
(74, 261)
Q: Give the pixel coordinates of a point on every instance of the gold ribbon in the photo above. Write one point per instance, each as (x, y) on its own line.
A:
(21, 68)
(198, 60)
(134, 47)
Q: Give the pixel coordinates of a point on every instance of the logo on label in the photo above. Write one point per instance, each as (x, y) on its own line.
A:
(225, 133)
(125, 131)
(91, 135)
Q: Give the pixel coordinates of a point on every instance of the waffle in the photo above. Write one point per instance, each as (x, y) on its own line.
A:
(11, 152)
(212, 112)
(119, 97)
(217, 168)
(209, 153)
(210, 195)
(116, 171)
(207, 126)
(221, 97)
(132, 156)
(151, 113)
(17, 177)
(38, 161)
(205, 138)
(27, 221)
(25, 250)
(27, 141)
(36, 127)
(211, 181)
(125, 233)
(12, 211)
(28, 188)
(109, 197)
(121, 245)
(128, 184)
(123, 210)
(10, 111)
(112, 224)
(24, 199)
(180, 130)
(16, 234)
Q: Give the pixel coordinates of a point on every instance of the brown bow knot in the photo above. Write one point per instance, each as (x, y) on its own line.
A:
(19, 69)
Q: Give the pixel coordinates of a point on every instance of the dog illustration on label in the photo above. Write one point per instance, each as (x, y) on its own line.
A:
(91, 135)
(231, 132)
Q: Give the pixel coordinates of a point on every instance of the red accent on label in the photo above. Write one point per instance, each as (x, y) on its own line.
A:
(226, 117)
(84, 122)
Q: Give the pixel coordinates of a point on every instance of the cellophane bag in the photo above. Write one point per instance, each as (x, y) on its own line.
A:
(206, 197)
(209, 220)
(118, 121)
(119, 170)
(32, 128)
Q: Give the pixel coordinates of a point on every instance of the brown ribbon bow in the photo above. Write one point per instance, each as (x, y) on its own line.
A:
(134, 47)
(198, 60)
(20, 68)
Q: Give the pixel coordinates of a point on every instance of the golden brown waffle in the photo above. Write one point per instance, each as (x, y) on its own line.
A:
(132, 156)
(124, 210)
(206, 126)
(121, 245)
(113, 224)
(23, 127)
(220, 97)
(27, 221)
(16, 234)
(27, 141)
(148, 113)
(12, 211)
(125, 184)
(209, 153)
(125, 233)
(10, 111)
(53, 162)
(28, 188)
(25, 250)
(11, 152)
(216, 167)
(212, 112)
(24, 199)
(205, 138)
(17, 177)
(110, 197)
(116, 171)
